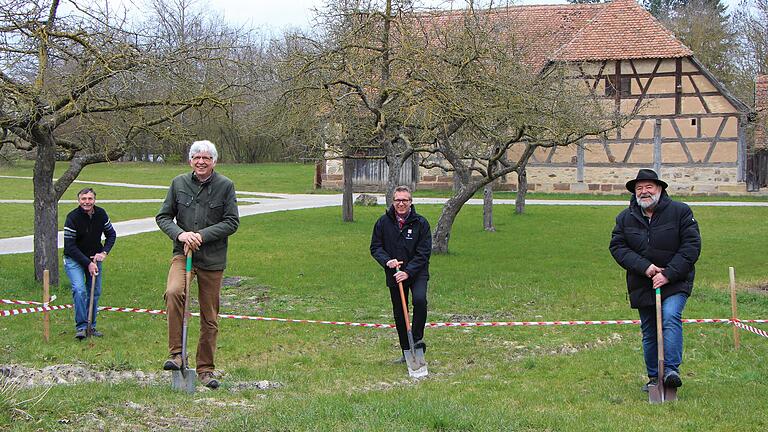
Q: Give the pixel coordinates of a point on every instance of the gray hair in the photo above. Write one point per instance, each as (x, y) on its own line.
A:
(402, 188)
(203, 146)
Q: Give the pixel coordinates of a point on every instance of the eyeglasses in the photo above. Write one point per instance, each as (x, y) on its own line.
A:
(204, 158)
(402, 201)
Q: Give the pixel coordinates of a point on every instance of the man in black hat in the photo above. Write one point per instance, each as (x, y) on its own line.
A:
(657, 241)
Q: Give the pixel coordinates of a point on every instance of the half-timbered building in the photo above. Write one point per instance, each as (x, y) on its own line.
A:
(689, 127)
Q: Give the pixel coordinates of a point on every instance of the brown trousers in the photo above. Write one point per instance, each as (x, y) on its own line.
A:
(209, 287)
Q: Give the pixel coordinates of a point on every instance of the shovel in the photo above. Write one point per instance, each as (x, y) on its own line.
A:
(89, 329)
(658, 393)
(414, 357)
(184, 379)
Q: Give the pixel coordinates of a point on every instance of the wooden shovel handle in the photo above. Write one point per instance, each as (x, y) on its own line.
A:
(405, 305)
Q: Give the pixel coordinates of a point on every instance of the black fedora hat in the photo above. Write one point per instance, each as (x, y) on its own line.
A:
(645, 174)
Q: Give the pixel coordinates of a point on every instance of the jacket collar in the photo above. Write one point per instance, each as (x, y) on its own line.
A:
(392, 215)
(208, 180)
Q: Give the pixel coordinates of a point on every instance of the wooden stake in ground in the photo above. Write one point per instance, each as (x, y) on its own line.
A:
(46, 299)
(734, 312)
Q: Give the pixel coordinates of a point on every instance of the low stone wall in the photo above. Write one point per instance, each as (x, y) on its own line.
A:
(597, 180)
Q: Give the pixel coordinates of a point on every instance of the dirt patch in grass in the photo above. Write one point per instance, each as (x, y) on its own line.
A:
(760, 288)
(240, 295)
(63, 374)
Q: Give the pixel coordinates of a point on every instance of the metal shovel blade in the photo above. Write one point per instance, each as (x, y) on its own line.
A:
(184, 380)
(656, 393)
(417, 366)
(670, 394)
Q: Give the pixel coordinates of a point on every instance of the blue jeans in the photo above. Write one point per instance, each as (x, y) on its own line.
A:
(672, 327)
(81, 291)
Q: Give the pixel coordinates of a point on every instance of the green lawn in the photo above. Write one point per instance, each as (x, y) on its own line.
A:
(266, 177)
(550, 264)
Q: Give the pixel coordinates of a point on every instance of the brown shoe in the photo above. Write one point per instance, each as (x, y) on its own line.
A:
(207, 379)
(173, 363)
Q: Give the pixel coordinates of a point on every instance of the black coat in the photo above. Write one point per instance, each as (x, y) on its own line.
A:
(671, 241)
(412, 244)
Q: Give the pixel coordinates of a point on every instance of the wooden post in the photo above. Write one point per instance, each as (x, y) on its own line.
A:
(734, 313)
(46, 299)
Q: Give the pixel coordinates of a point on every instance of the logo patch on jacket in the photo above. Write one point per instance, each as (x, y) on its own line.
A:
(409, 234)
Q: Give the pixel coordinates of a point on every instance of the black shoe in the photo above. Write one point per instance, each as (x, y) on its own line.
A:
(421, 344)
(653, 381)
(80, 334)
(672, 380)
(96, 333)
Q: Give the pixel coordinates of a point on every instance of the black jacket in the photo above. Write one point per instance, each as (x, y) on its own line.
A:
(671, 241)
(412, 244)
(82, 234)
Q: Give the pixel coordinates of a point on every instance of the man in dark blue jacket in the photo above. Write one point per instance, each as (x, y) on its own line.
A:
(657, 241)
(402, 238)
(84, 254)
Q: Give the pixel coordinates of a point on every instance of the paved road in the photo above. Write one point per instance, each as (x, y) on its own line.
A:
(264, 202)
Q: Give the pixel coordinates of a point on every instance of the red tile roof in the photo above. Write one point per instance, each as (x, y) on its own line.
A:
(618, 30)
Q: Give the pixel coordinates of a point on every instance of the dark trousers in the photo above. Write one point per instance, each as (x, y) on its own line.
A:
(418, 287)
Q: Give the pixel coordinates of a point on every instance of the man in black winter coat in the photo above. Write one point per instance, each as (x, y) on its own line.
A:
(657, 241)
(402, 238)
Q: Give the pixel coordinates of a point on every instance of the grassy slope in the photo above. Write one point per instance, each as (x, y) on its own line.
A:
(338, 378)
(551, 263)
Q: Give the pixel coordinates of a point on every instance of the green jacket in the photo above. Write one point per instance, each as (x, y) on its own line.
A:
(209, 208)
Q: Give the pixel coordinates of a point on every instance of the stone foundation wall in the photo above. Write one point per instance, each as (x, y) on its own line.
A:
(597, 180)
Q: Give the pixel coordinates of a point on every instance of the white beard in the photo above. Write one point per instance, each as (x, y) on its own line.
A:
(649, 204)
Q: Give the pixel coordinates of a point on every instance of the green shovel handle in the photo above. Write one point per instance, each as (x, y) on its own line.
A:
(189, 262)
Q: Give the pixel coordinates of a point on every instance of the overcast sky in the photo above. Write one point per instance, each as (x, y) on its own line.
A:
(276, 15)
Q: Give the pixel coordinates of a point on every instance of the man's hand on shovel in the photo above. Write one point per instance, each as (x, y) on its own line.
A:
(191, 240)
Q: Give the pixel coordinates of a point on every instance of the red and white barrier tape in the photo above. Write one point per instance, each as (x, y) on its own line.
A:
(24, 302)
(33, 310)
(738, 323)
(751, 329)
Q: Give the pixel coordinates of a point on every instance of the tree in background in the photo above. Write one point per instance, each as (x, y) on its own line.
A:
(662, 9)
(704, 27)
(502, 109)
(82, 85)
(751, 21)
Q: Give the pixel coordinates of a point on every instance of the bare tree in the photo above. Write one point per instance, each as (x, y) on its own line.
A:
(79, 84)
(354, 74)
(751, 22)
(494, 110)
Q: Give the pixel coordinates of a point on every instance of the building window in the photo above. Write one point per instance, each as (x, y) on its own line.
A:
(693, 122)
(625, 86)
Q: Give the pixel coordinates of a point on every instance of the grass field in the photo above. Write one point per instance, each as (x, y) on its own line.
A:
(550, 264)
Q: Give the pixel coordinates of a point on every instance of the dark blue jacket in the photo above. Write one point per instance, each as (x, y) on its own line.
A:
(412, 244)
(82, 234)
(671, 241)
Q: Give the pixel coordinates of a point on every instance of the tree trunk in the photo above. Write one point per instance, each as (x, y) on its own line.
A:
(522, 189)
(319, 169)
(46, 213)
(448, 215)
(394, 165)
(347, 214)
(488, 207)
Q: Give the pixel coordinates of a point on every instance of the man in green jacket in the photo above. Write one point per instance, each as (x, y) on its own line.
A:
(198, 214)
